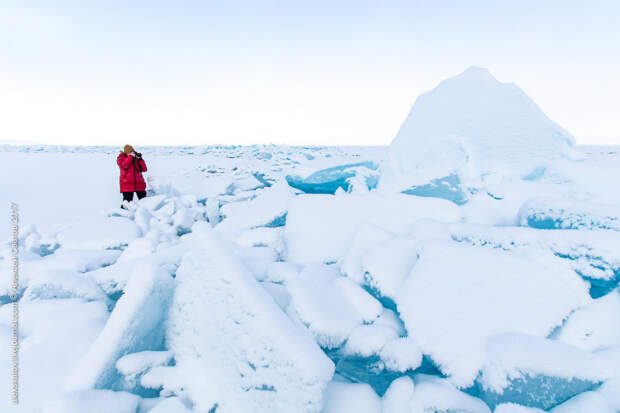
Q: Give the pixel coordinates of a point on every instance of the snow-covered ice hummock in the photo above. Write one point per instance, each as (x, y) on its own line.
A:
(330, 306)
(54, 334)
(320, 228)
(134, 366)
(136, 324)
(593, 254)
(233, 346)
(425, 393)
(107, 233)
(64, 284)
(62, 261)
(457, 297)
(537, 372)
(467, 127)
(267, 210)
(595, 326)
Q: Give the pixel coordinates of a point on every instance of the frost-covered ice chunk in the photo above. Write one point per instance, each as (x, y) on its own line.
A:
(212, 207)
(367, 238)
(498, 200)
(369, 370)
(152, 203)
(256, 259)
(54, 334)
(401, 354)
(262, 237)
(593, 254)
(41, 316)
(269, 208)
(438, 395)
(135, 364)
(170, 405)
(62, 260)
(387, 266)
(165, 212)
(498, 122)
(536, 372)
(282, 271)
(330, 306)
(483, 292)
(247, 182)
(390, 319)
(327, 181)
(365, 304)
(447, 187)
(320, 228)
(93, 401)
(367, 340)
(64, 284)
(167, 379)
(71, 260)
(113, 278)
(31, 240)
(141, 247)
(107, 233)
(136, 324)
(515, 408)
(183, 220)
(351, 397)
(232, 344)
(397, 397)
(595, 326)
(553, 213)
(589, 401)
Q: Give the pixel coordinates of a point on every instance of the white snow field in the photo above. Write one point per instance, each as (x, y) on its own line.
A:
(472, 266)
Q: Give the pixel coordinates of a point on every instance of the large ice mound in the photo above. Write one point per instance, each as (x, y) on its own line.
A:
(474, 120)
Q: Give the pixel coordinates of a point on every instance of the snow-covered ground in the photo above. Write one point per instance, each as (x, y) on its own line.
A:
(320, 279)
(437, 280)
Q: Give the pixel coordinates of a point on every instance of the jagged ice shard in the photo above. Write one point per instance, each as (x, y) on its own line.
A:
(235, 350)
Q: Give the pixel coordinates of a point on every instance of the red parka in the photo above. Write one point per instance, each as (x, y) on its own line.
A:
(131, 173)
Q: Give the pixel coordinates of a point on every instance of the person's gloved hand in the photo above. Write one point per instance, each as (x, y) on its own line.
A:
(138, 155)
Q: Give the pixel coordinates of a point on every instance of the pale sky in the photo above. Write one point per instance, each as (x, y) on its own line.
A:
(297, 72)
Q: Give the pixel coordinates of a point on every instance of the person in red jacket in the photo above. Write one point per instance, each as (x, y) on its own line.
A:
(132, 165)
